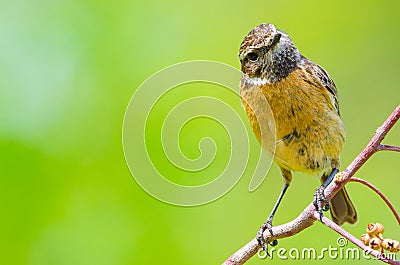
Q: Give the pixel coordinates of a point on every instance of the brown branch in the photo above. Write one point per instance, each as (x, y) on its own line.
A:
(329, 223)
(308, 217)
(304, 220)
(384, 147)
(372, 187)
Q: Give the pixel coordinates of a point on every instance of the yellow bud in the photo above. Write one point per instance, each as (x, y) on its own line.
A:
(372, 229)
(380, 228)
(375, 229)
(391, 245)
(375, 243)
(365, 238)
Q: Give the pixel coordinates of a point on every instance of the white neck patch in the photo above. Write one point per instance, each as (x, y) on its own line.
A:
(255, 81)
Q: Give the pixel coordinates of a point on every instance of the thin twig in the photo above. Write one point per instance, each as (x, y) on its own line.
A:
(356, 241)
(372, 187)
(307, 217)
(385, 147)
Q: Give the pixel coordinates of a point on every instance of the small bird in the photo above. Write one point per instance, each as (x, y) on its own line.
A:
(305, 106)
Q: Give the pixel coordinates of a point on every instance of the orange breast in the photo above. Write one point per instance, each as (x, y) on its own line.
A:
(309, 132)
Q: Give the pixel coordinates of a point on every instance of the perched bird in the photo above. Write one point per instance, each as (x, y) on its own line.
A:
(305, 106)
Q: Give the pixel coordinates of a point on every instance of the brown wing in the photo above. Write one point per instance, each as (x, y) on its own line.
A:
(324, 79)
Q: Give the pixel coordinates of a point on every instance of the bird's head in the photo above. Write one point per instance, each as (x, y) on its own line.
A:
(267, 53)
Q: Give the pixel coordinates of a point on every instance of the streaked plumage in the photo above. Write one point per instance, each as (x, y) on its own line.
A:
(303, 99)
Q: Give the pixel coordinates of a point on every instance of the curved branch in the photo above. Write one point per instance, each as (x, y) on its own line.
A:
(372, 187)
(307, 217)
(329, 223)
(385, 147)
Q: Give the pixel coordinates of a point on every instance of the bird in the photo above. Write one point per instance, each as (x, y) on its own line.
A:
(304, 103)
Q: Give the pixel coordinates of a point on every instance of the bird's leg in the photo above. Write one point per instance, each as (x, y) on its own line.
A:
(319, 197)
(268, 223)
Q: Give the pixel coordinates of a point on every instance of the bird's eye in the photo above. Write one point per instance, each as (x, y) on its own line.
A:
(252, 56)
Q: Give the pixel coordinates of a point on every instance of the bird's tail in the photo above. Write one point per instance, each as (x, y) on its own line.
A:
(342, 209)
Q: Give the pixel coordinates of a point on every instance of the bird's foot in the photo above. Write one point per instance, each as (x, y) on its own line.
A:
(260, 237)
(320, 202)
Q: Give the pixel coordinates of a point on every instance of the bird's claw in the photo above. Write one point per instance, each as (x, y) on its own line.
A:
(260, 237)
(320, 202)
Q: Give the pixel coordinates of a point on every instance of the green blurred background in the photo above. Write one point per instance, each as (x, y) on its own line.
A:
(67, 72)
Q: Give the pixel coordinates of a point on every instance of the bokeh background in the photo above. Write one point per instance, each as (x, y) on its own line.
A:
(67, 72)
